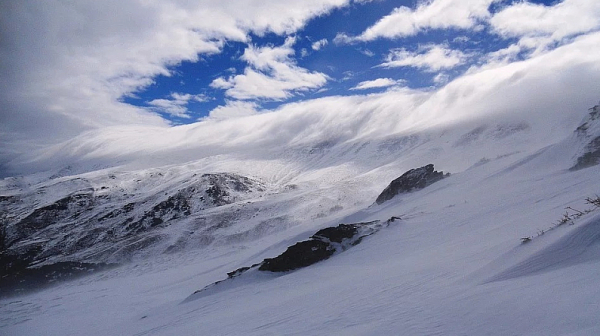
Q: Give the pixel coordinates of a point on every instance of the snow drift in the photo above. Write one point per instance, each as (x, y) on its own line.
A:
(454, 265)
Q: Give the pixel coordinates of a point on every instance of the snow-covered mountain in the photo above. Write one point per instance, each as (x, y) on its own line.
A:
(481, 251)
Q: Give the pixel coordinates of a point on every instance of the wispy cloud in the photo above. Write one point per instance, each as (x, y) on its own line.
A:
(319, 44)
(509, 89)
(436, 14)
(377, 83)
(366, 52)
(430, 58)
(441, 78)
(68, 64)
(538, 26)
(563, 19)
(232, 109)
(176, 104)
(272, 74)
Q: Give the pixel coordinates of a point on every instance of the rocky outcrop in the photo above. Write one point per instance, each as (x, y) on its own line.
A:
(67, 207)
(299, 255)
(110, 218)
(320, 246)
(591, 157)
(588, 133)
(413, 179)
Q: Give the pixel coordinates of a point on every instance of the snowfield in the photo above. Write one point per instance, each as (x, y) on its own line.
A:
(454, 264)
(247, 168)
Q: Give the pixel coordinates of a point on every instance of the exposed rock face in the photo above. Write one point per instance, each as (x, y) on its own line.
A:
(589, 134)
(70, 206)
(111, 218)
(299, 255)
(321, 246)
(413, 179)
(338, 233)
(591, 157)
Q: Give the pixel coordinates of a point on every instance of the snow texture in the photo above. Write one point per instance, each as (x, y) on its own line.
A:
(454, 264)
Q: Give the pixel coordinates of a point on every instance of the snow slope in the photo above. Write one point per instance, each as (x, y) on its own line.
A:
(454, 264)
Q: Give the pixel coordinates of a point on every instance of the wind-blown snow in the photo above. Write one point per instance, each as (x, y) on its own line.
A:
(453, 265)
(548, 91)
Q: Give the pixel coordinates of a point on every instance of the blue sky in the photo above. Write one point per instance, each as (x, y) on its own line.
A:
(72, 67)
(345, 64)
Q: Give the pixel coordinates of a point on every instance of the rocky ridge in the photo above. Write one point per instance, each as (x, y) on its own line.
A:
(320, 246)
(79, 221)
(411, 180)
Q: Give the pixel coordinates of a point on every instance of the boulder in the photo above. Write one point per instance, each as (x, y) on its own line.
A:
(337, 233)
(322, 245)
(302, 254)
(412, 180)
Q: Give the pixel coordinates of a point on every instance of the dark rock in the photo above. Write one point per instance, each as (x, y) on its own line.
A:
(70, 206)
(240, 271)
(299, 255)
(321, 246)
(237, 272)
(589, 158)
(217, 194)
(15, 262)
(117, 212)
(174, 207)
(221, 184)
(88, 223)
(338, 233)
(26, 279)
(8, 199)
(413, 179)
(3, 240)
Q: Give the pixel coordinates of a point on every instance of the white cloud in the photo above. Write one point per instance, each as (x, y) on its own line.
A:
(367, 52)
(433, 14)
(377, 83)
(348, 75)
(271, 74)
(540, 26)
(66, 64)
(441, 78)
(232, 109)
(319, 44)
(430, 58)
(556, 86)
(176, 105)
(461, 39)
(563, 19)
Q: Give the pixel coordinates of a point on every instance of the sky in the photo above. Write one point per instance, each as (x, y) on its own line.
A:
(71, 67)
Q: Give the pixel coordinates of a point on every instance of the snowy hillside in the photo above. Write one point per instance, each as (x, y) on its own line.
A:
(481, 251)
(300, 167)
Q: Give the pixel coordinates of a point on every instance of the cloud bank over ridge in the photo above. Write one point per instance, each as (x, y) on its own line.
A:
(67, 69)
(66, 65)
(519, 91)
